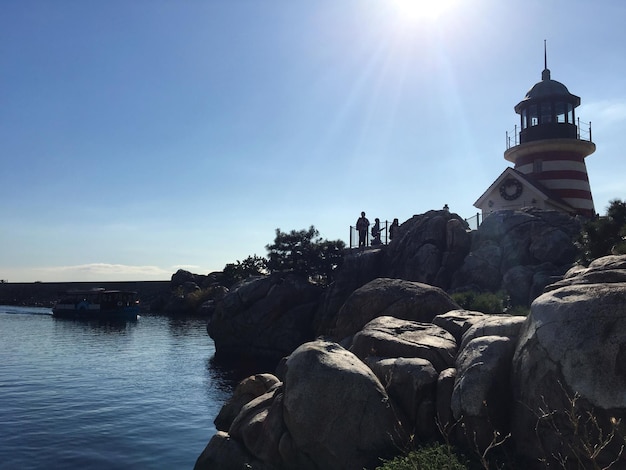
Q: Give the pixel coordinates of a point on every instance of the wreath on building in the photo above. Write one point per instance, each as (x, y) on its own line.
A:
(511, 189)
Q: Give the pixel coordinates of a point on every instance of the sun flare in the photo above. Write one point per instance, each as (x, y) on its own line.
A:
(416, 10)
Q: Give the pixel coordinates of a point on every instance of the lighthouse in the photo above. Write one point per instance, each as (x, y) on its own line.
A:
(548, 150)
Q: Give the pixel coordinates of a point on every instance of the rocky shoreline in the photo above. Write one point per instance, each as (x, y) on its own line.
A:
(384, 359)
(473, 379)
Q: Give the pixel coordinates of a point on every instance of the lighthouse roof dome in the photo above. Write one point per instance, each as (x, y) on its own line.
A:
(548, 88)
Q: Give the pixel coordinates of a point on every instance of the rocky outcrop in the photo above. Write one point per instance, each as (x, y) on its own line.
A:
(265, 317)
(429, 248)
(545, 385)
(569, 365)
(331, 412)
(390, 297)
(358, 268)
(520, 252)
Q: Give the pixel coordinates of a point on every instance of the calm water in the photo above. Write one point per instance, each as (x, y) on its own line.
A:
(136, 395)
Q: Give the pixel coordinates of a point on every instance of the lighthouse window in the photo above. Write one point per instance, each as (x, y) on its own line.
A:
(546, 113)
(532, 115)
(570, 114)
(560, 112)
(524, 119)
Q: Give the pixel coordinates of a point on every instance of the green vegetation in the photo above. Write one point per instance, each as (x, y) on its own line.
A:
(432, 457)
(240, 270)
(305, 252)
(604, 235)
(300, 251)
(488, 302)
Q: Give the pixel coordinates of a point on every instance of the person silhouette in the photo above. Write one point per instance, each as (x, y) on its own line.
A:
(393, 229)
(376, 232)
(362, 224)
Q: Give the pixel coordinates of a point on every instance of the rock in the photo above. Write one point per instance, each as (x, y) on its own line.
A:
(246, 391)
(336, 411)
(260, 426)
(412, 384)
(457, 322)
(517, 281)
(608, 269)
(571, 357)
(480, 270)
(390, 297)
(445, 387)
(265, 317)
(392, 337)
(358, 268)
(224, 453)
(493, 325)
(481, 398)
(522, 248)
(429, 247)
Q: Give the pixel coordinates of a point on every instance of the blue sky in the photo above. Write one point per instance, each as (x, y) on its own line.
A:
(139, 137)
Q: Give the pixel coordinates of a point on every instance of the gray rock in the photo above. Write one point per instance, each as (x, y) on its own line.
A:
(391, 297)
(412, 384)
(493, 325)
(429, 248)
(573, 346)
(260, 426)
(482, 398)
(392, 337)
(224, 453)
(336, 411)
(266, 317)
(457, 322)
(246, 391)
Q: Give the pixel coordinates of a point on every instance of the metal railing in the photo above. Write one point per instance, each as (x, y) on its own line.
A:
(582, 133)
(369, 240)
(474, 221)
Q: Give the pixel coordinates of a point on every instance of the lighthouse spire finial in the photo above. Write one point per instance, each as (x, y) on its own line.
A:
(545, 75)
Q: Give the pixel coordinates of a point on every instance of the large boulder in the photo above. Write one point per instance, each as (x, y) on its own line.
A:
(246, 391)
(390, 297)
(569, 365)
(357, 269)
(265, 317)
(225, 453)
(521, 251)
(392, 337)
(337, 413)
(428, 248)
(481, 399)
(412, 384)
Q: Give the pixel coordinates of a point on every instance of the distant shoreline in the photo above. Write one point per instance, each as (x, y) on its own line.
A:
(44, 294)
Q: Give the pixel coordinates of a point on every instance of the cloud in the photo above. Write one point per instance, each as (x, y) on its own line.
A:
(606, 113)
(87, 273)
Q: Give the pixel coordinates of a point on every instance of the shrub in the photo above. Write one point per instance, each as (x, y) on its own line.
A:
(485, 302)
(240, 270)
(604, 235)
(305, 252)
(432, 457)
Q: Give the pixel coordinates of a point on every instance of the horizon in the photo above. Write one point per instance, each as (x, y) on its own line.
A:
(141, 138)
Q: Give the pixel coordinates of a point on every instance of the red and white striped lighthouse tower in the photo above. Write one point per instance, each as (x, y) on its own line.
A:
(551, 151)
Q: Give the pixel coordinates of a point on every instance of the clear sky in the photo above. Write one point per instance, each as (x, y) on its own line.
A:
(142, 136)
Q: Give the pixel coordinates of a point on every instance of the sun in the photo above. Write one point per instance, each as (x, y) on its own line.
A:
(416, 10)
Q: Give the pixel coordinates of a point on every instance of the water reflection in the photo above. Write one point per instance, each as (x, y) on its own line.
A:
(98, 326)
(226, 373)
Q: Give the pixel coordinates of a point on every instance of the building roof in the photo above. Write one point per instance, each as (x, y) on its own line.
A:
(548, 88)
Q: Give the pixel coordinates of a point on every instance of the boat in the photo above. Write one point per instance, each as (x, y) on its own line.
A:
(97, 304)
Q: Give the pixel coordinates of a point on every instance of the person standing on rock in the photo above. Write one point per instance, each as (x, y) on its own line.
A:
(393, 229)
(362, 224)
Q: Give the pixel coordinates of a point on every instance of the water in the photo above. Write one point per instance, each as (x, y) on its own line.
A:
(135, 395)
